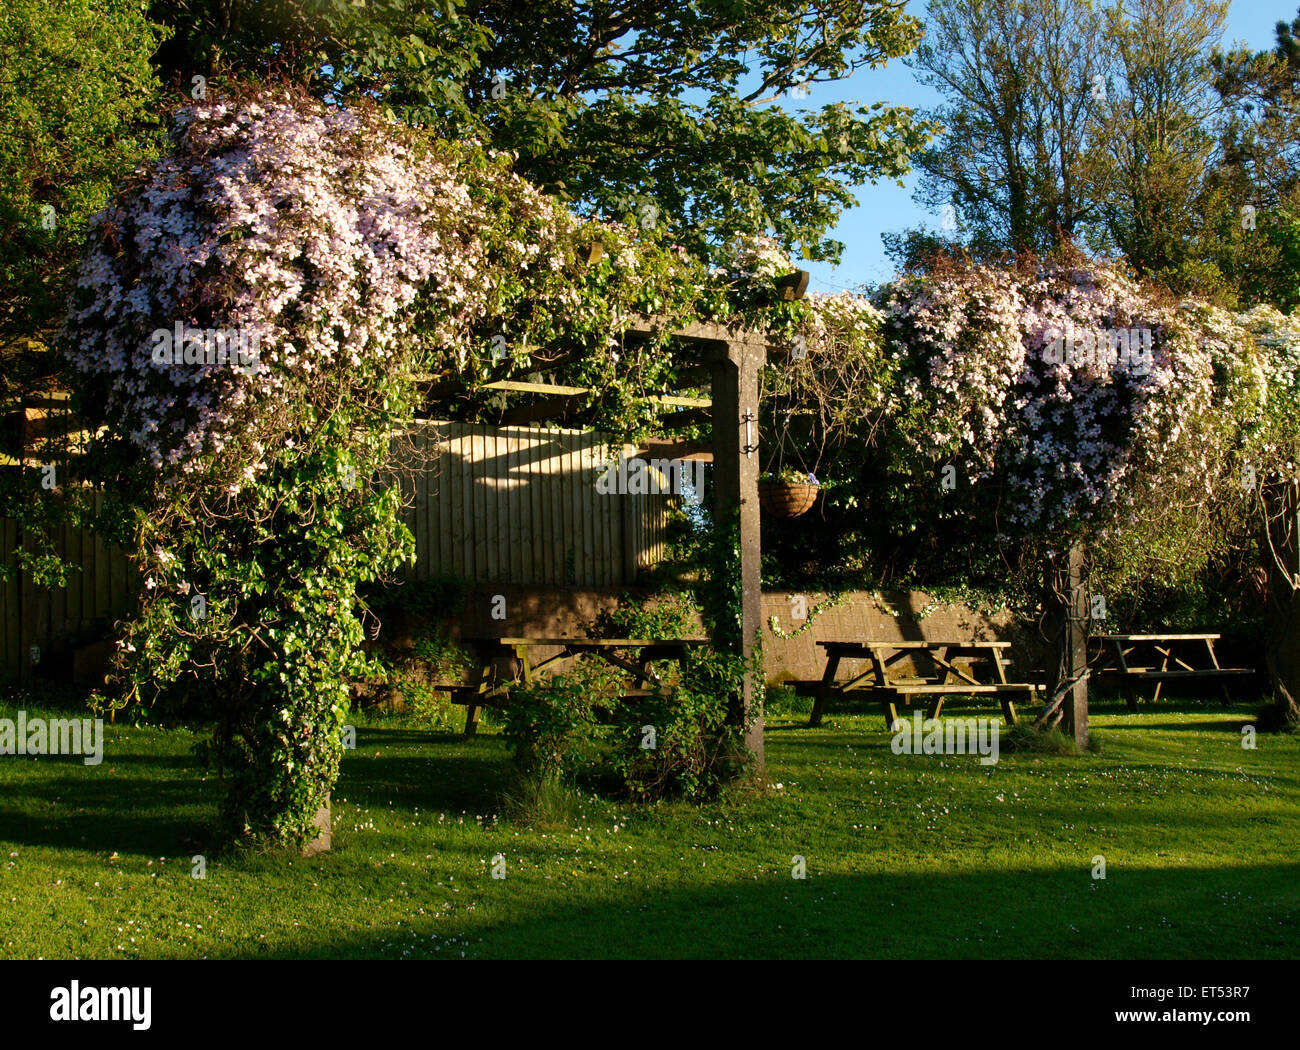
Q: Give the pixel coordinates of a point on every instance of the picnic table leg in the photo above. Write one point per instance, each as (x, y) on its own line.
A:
(936, 705)
(523, 669)
(1008, 709)
(480, 680)
(891, 714)
(1164, 666)
(1126, 689)
(819, 705)
(1225, 697)
(824, 692)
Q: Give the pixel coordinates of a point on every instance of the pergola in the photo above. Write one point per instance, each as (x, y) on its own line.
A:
(730, 359)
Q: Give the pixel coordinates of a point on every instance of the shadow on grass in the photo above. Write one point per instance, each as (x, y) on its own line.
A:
(447, 772)
(164, 805)
(1167, 913)
(111, 812)
(1230, 724)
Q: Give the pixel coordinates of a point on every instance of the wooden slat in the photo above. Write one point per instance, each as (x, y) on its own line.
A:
(577, 523)
(119, 581)
(72, 554)
(30, 613)
(11, 612)
(866, 647)
(485, 507)
(587, 512)
(465, 511)
(555, 509)
(513, 502)
(512, 386)
(87, 577)
(103, 580)
(58, 596)
(541, 545)
(1209, 672)
(419, 490)
(605, 550)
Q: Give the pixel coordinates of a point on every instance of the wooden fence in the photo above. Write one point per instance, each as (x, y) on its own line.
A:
(488, 505)
(41, 626)
(520, 505)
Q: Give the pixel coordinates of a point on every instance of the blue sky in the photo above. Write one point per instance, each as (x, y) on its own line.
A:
(886, 206)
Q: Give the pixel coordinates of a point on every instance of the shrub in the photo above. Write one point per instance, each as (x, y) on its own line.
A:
(551, 725)
(695, 748)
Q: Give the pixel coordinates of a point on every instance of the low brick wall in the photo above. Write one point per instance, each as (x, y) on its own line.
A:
(894, 616)
(900, 615)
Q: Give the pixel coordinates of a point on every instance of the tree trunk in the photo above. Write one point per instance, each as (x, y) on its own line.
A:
(1065, 622)
(1280, 540)
(321, 843)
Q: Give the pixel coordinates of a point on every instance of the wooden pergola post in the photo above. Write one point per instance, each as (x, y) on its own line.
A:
(1067, 612)
(735, 365)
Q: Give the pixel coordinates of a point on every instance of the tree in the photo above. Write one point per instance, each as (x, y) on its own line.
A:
(1154, 140)
(1261, 132)
(1251, 207)
(661, 114)
(76, 91)
(77, 96)
(1083, 412)
(1273, 458)
(1018, 81)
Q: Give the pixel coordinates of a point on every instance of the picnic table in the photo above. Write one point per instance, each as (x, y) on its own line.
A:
(954, 673)
(503, 662)
(1131, 659)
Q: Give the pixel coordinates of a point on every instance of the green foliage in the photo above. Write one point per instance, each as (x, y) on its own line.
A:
(77, 96)
(1023, 738)
(671, 614)
(550, 724)
(431, 596)
(683, 740)
(541, 802)
(659, 115)
(280, 636)
(698, 726)
(697, 747)
(829, 602)
(77, 105)
(789, 475)
(444, 656)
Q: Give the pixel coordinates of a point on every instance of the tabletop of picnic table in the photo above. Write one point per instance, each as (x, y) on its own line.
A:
(966, 643)
(1155, 637)
(595, 643)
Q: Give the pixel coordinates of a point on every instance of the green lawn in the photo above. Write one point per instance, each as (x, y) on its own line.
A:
(907, 856)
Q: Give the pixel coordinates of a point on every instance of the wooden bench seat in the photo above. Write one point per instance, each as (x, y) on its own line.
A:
(470, 698)
(1141, 672)
(965, 687)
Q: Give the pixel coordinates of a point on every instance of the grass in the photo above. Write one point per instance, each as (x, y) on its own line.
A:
(908, 856)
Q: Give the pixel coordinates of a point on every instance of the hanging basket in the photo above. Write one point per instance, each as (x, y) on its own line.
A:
(787, 499)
